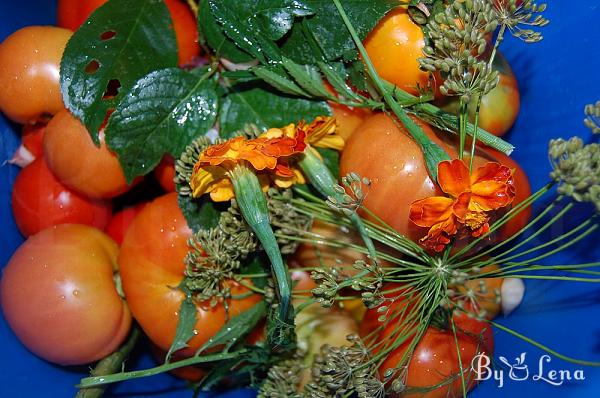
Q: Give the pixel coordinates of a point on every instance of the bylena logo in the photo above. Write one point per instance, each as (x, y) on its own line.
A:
(519, 370)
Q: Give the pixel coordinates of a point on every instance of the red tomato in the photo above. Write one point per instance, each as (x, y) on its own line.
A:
(120, 221)
(29, 66)
(435, 358)
(73, 13)
(152, 267)
(40, 201)
(59, 296)
(500, 107)
(383, 151)
(165, 173)
(78, 162)
(31, 144)
(522, 192)
(394, 47)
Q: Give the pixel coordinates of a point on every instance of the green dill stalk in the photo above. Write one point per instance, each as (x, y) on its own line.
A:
(110, 365)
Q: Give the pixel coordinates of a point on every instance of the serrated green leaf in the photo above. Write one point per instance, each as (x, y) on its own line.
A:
(258, 104)
(308, 77)
(122, 41)
(237, 327)
(337, 79)
(185, 324)
(163, 113)
(200, 213)
(328, 28)
(278, 80)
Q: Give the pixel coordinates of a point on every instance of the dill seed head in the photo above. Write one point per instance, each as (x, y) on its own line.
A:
(592, 120)
(576, 167)
(517, 18)
(184, 166)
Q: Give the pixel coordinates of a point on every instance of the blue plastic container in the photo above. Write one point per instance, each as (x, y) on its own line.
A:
(557, 77)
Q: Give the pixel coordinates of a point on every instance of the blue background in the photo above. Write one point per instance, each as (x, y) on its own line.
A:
(557, 77)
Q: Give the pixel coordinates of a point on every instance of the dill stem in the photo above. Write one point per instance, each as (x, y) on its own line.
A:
(543, 347)
(460, 364)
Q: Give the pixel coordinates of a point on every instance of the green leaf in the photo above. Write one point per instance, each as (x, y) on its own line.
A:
(278, 80)
(164, 112)
(256, 103)
(308, 77)
(240, 30)
(185, 324)
(122, 41)
(201, 213)
(237, 327)
(328, 28)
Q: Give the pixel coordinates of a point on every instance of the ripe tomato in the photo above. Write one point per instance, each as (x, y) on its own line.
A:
(435, 360)
(29, 66)
(152, 267)
(522, 192)
(384, 152)
(394, 47)
(120, 221)
(78, 163)
(31, 147)
(165, 173)
(59, 297)
(73, 13)
(348, 118)
(40, 201)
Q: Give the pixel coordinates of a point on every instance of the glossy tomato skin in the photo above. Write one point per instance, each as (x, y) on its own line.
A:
(120, 222)
(384, 153)
(29, 72)
(73, 13)
(78, 162)
(165, 173)
(435, 358)
(59, 297)
(40, 201)
(522, 192)
(394, 47)
(152, 267)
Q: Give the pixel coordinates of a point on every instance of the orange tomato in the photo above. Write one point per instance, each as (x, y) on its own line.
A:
(394, 47)
(73, 13)
(78, 163)
(59, 296)
(29, 67)
(152, 267)
(165, 173)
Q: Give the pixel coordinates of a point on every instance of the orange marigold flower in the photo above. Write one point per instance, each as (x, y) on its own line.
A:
(267, 156)
(471, 198)
(321, 132)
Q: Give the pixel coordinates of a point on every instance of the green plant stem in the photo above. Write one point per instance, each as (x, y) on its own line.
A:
(433, 153)
(463, 118)
(460, 364)
(253, 207)
(110, 365)
(322, 179)
(95, 381)
(474, 138)
(543, 347)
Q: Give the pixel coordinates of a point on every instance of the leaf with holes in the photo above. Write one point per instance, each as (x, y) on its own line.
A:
(257, 103)
(122, 41)
(163, 113)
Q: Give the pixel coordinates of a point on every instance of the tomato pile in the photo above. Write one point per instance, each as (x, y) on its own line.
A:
(104, 251)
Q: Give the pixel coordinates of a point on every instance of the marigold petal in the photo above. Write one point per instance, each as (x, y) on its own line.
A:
(460, 207)
(430, 211)
(491, 171)
(205, 178)
(322, 133)
(222, 191)
(453, 177)
(439, 235)
(491, 195)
